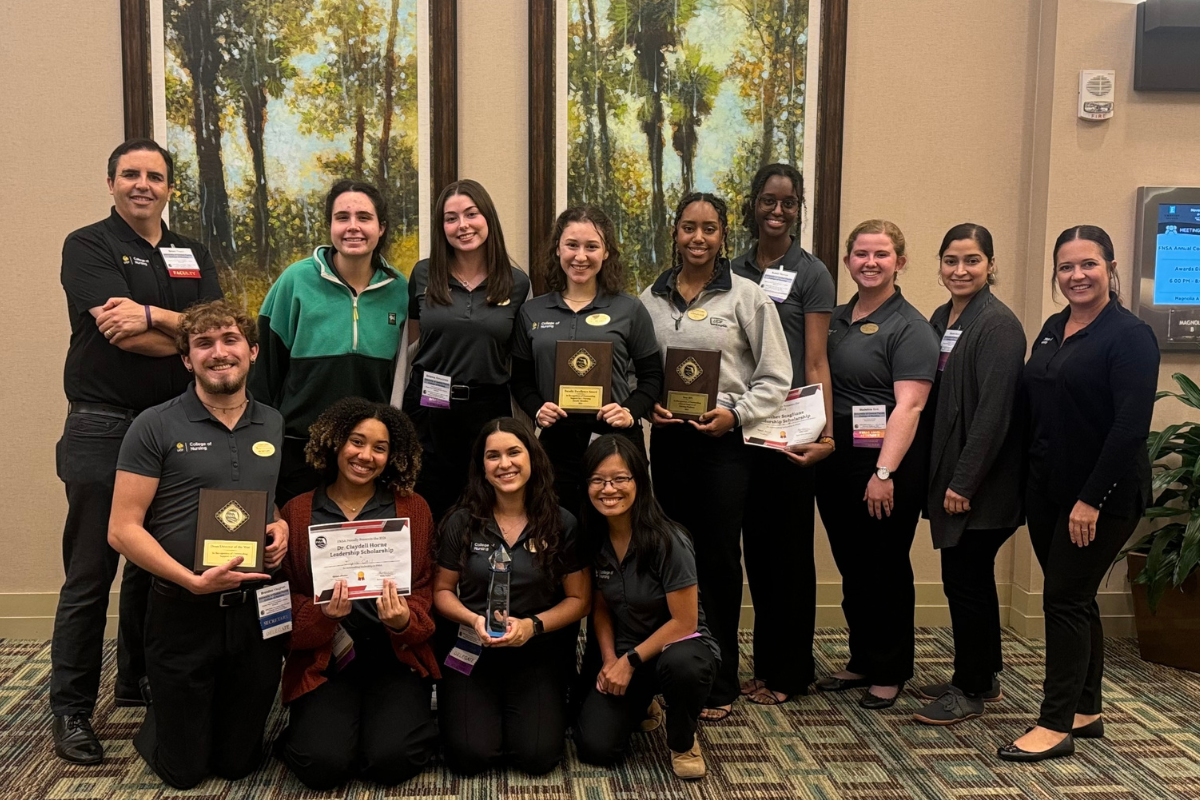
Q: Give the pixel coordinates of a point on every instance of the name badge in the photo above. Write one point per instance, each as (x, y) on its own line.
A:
(777, 283)
(343, 648)
(466, 651)
(949, 339)
(274, 609)
(181, 262)
(870, 423)
(435, 390)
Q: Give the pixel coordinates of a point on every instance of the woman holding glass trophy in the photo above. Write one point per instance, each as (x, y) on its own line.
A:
(512, 577)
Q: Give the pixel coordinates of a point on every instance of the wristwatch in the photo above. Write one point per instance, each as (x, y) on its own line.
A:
(635, 660)
(539, 627)
(883, 473)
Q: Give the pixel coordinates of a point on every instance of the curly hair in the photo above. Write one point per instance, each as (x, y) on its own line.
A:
(611, 278)
(328, 435)
(205, 317)
(541, 502)
(749, 221)
(722, 210)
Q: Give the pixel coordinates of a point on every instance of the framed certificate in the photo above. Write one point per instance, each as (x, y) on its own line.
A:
(691, 381)
(582, 375)
(232, 522)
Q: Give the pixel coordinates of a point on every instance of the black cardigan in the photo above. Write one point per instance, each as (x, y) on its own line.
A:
(978, 446)
(1094, 415)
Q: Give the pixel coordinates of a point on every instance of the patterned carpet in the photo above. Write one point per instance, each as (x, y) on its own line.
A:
(822, 747)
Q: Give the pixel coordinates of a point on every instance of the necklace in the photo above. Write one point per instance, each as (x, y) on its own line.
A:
(345, 503)
(226, 408)
(516, 525)
(469, 285)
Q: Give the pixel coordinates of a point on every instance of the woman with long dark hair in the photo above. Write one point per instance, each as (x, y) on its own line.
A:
(1090, 384)
(586, 302)
(463, 301)
(646, 608)
(509, 706)
(330, 327)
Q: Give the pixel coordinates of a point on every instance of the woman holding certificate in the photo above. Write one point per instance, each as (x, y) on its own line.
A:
(358, 678)
(883, 358)
(511, 577)
(974, 502)
(649, 623)
(585, 304)
(463, 301)
(785, 589)
(706, 314)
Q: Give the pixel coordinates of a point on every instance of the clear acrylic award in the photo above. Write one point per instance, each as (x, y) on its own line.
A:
(498, 590)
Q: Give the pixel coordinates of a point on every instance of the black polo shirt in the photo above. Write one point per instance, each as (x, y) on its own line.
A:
(621, 319)
(812, 292)
(532, 588)
(637, 601)
(188, 449)
(471, 339)
(864, 366)
(109, 259)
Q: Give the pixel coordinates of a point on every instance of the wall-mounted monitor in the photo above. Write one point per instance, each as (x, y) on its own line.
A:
(1166, 289)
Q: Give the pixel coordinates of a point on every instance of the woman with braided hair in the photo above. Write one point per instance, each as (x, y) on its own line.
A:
(701, 468)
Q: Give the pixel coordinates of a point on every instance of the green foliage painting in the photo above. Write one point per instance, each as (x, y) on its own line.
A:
(269, 102)
(671, 96)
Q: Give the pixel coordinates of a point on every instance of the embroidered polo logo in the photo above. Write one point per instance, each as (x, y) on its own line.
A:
(232, 516)
(124, 259)
(582, 363)
(391, 318)
(179, 447)
(689, 370)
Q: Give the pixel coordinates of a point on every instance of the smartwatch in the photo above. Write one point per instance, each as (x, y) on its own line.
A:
(635, 660)
(538, 626)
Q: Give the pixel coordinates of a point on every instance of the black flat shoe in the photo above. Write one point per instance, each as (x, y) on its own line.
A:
(1011, 752)
(126, 697)
(832, 684)
(876, 703)
(1093, 730)
(75, 741)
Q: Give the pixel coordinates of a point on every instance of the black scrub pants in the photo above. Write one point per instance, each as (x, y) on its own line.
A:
(446, 436)
(683, 674)
(969, 581)
(565, 443)
(878, 597)
(777, 534)
(295, 475)
(510, 711)
(703, 484)
(214, 680)
(370, 720)
(1074, 634)
(86, 461)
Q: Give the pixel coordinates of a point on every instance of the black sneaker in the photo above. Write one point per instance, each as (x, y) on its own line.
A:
(935, 690)
(951, 708)
(75, 741)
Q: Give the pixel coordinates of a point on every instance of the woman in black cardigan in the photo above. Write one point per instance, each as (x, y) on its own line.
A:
(1090, 384)
(974, 503)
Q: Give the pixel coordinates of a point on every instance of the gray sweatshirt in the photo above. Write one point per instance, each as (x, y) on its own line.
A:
(737, 318)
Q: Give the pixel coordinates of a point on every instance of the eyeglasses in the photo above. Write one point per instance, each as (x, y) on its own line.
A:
(619, 482)
(768, 203)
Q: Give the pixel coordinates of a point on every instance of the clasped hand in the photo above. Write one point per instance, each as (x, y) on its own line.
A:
(517, 633)
(615, 676)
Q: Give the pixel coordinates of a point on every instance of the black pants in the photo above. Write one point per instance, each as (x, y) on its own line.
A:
(703, 484)
(1074, 634)
(214, 680)
(295, 475)
(86, 459)
(872, 555)
(683, 674)
(510, 711)
(370, 720)
(446, 436)
(969, 581)
(777, 533)
(565, 442)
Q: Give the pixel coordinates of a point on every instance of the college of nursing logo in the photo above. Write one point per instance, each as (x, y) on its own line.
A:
(124, 259)
(179, 447)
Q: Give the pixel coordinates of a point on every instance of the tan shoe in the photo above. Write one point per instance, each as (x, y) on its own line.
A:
(654, 717)
(689, 765)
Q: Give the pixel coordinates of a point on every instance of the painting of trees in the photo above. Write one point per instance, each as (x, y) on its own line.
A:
(269, 102)
(670, 96)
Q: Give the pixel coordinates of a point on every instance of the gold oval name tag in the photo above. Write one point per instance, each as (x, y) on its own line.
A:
(869, 328)
(504, 302)
(598, 319)
(264, 449)
(697, 314)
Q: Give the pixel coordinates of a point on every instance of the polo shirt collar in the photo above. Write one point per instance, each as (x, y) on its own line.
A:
(877, 316)
(721, 281)
(1059, 326)
(601, 300)
(197, 412)
(790, 261)
(322, 500)
(127, 234)
(610, 553)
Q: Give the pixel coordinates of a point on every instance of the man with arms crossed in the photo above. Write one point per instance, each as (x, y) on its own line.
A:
(127, 278)
(212, 674)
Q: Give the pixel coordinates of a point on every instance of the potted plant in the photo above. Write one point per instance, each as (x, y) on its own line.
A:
(1163, 563)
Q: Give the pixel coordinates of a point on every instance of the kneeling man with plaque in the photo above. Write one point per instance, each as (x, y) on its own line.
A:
(194, 487)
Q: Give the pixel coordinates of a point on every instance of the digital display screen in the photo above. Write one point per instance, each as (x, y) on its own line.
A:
(1177, 255)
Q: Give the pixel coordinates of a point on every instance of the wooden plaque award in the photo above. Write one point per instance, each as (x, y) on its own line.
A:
(691, 380)
(232, 522)
(583, 375)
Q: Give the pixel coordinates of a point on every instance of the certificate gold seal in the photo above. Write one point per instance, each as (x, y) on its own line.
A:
(697, 314)
(232, 516)
(582, 362)
(869, 328)
(689, 370)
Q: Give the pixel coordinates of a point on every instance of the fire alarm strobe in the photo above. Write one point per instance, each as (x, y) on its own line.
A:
(1097, 93)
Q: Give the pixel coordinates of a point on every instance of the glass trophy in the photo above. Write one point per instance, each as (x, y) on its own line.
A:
(498, 589)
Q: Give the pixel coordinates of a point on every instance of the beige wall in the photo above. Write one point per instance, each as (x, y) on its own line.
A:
(949, 117)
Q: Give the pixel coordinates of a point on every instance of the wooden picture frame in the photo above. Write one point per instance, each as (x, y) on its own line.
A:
(827, 180)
